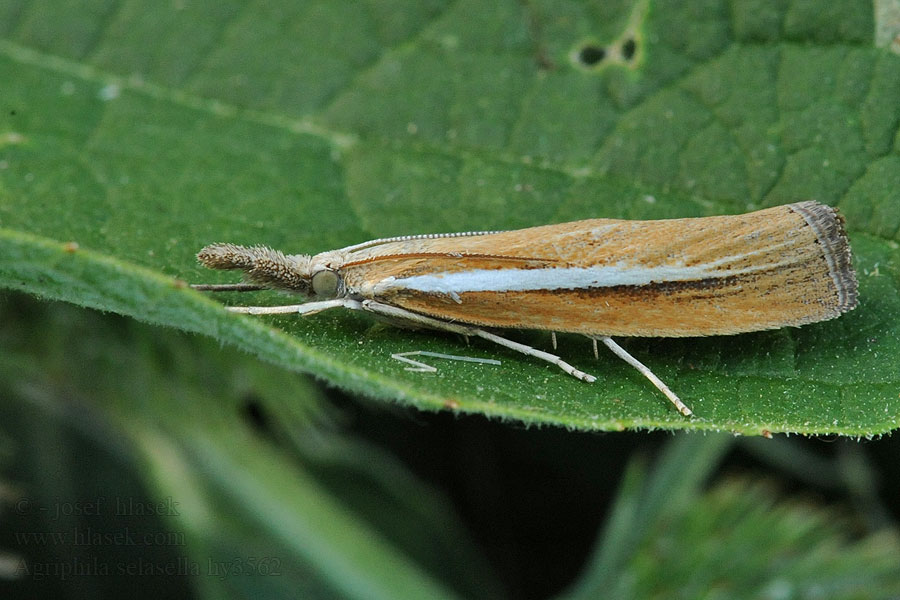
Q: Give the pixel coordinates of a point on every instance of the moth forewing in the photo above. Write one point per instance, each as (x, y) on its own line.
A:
(671, 278)
(783, 266)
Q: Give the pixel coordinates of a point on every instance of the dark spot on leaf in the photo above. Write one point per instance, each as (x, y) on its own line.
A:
(591, 55)
(255, 415)
(12, 113)
(629, 48)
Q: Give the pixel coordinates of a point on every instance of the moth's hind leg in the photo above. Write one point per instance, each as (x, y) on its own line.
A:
(624, 355)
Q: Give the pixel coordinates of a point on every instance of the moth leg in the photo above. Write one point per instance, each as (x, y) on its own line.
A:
(420, 367)
(530, 351)
(399, 313)
(416, 366)
(621, 353)
(310, 308)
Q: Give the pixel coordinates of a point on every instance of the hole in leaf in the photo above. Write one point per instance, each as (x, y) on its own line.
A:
(591, 55)
(629, 48)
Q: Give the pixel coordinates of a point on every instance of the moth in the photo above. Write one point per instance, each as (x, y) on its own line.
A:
(783, 266)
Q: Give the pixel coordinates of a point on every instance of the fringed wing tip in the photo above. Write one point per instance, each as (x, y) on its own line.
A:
(828, 225)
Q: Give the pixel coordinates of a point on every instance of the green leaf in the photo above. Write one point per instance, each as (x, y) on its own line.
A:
(143, 410)
(667, 539)
(644, 501)
(146, 132)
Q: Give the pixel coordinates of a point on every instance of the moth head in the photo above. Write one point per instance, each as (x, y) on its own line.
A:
(263, 266)
(325, 274)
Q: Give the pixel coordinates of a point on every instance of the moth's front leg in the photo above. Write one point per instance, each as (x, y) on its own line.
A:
(309, 308)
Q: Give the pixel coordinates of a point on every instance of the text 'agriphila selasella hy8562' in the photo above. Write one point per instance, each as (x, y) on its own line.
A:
(783, 266)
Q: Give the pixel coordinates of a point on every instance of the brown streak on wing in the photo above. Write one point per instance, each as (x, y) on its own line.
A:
(450, 255)
(758, 301)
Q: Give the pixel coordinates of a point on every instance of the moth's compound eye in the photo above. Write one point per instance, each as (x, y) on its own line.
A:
(325, 283)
